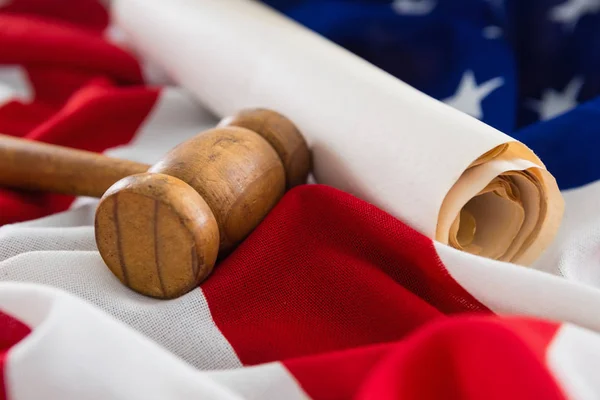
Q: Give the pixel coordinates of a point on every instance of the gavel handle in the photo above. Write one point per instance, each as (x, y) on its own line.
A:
(30, 165)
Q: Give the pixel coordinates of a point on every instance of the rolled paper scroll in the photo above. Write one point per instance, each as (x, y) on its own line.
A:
(446, 174)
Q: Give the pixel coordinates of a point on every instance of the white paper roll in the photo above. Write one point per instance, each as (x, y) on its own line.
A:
(371, 134)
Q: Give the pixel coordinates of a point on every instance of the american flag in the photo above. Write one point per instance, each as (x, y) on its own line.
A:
(349, 288)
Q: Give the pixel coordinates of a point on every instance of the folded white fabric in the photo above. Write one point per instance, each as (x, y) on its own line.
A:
(443, 172)
(75, 351)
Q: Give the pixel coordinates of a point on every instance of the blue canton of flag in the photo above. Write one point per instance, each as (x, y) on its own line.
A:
(530, 68)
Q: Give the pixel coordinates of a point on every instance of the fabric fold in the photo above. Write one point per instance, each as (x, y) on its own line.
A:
(444, 173)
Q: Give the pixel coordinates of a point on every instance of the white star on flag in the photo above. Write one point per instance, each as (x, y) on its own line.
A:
(571, 11)
(469, 95)
(554, 103)
(492, 32)
(413, 7)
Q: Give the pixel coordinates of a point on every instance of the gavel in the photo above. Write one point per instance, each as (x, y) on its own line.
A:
(160, 229)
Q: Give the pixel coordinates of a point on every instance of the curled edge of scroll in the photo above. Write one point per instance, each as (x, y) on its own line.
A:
(505, 206)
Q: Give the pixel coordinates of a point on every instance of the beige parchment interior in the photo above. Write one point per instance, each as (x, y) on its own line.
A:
(505, 206)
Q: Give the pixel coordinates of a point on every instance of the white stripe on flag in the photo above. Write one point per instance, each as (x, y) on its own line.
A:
(183, 325)
(574, 358)
(574, 253)
(507, 288)
(77, 352)
(266, 381)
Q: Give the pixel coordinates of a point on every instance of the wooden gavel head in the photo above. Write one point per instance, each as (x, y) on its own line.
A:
(160, 232)
(283, 135)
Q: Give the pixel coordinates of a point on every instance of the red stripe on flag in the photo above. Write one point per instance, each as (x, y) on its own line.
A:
(26, 40)
(337, 375)
(328, 271)
(98, 116)
(537, 334)
(457, 358)
(88, 14)
(12, 331)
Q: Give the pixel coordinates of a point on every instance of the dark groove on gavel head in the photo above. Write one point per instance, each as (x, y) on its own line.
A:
(202, 198)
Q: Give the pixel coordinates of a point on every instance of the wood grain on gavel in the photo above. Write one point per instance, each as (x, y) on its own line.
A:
(160, 228)
(31, 165)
